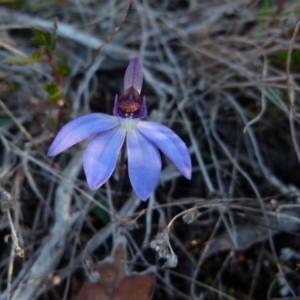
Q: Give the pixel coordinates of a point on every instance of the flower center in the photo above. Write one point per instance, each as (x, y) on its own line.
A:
(130, 105)
(130, 101)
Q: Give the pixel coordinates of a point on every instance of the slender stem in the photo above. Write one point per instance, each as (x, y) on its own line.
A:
(59, 81)
(60, 116)
(51, 63)
(112, 34)
(121, 169)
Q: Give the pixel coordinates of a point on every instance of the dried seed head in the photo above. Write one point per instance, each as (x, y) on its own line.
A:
(20, 251)
(191, 216)
(172, 261)
(129, 224)
(161, 244)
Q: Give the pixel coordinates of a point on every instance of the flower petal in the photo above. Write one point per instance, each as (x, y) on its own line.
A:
(134, 75)
(169, 143)
(100, 157)
(144, 164)
(80, 129)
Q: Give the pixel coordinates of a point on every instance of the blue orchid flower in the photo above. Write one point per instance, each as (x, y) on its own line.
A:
(143, 139)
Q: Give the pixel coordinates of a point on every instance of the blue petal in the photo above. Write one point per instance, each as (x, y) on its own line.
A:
(100, 157)
(169, 143)
(80, 129)
(134, 75)
(144, 164)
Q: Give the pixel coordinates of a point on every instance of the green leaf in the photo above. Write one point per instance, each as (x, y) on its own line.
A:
(45, 39)
(54, 93)
(64, 70)
(20, 60)
(51, 88)
(41, 37)
(37, 55)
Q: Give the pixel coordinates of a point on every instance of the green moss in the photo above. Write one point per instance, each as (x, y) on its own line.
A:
(12, 87)
(5, 121)
(232, 292)
(207, 157)
(279, 59)
(265, 9)
(100, 213)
